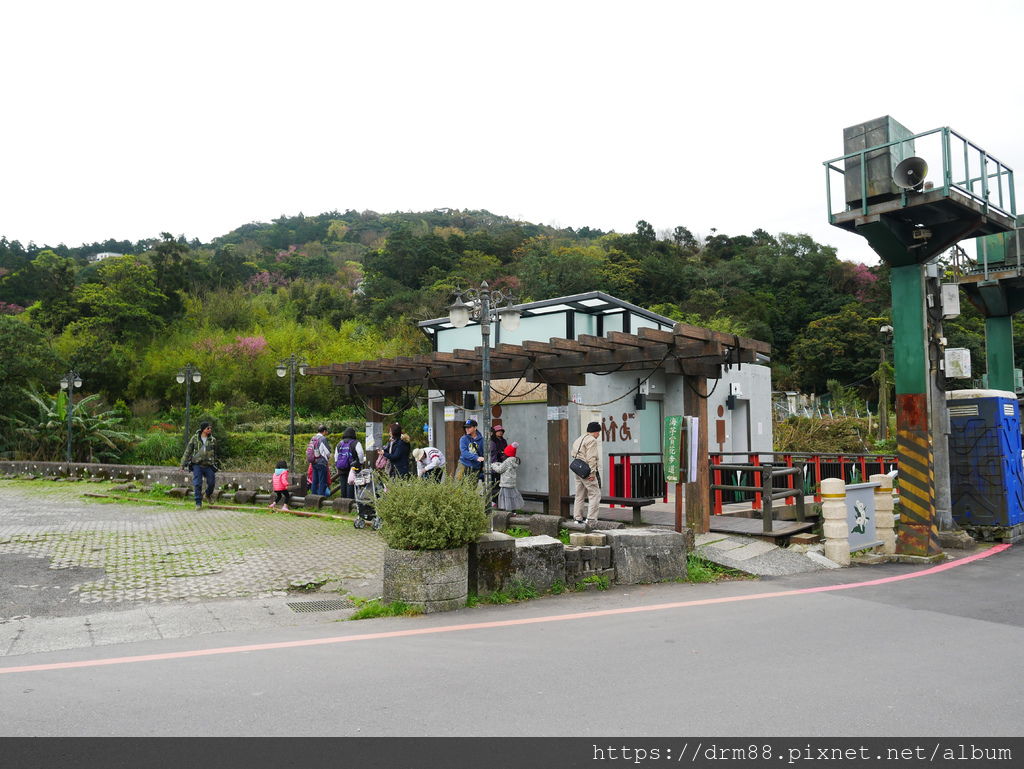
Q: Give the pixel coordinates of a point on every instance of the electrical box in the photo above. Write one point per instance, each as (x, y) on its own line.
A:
(950, 301)
(958, 363)
(877, 181)
(735, 389)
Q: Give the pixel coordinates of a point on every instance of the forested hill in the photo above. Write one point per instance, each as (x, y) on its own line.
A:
(348, 286)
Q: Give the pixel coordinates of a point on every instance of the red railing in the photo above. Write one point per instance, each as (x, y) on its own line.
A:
(650, 475)
(852, 468)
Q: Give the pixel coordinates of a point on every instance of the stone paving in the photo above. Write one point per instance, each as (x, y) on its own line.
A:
(151, 553)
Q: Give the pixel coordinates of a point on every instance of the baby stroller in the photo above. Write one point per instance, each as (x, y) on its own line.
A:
(366, 499)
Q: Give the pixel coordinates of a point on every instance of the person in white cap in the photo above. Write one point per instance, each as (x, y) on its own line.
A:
(588, 490)
(429, 463)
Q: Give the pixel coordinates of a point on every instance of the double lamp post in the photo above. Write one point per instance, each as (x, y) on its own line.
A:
(70, 382)
(289, 366)
(485, 306)
(187, 376)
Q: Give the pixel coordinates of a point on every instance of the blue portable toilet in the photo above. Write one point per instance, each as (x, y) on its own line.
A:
(986, 471)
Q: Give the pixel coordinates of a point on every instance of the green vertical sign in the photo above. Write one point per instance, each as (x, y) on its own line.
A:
(671, 449)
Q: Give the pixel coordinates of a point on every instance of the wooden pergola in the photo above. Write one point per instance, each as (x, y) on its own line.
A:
(696, 354)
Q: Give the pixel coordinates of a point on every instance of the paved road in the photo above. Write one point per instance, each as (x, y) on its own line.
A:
(933, 655)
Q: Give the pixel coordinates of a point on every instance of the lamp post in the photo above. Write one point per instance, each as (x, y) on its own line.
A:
(883, 387)
(288, 366)
(188, 375)
(70, 382)
(485, 305)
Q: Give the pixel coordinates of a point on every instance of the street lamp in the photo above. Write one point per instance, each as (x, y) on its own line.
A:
(485, 305)
(188, 375)
(289, 366)
(883, 387)
(70, 382)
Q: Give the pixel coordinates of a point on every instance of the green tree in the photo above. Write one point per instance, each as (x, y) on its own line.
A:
(55, 283)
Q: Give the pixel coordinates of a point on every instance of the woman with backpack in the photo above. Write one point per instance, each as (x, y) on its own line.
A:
(348, 454)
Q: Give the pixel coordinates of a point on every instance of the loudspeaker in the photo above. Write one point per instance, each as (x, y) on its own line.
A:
(910, 174)
(639, 402)
(469, 401)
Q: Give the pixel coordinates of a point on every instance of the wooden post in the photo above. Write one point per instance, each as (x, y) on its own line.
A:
(695, 403)
(453, 430)
(558, 447)
(766, 497)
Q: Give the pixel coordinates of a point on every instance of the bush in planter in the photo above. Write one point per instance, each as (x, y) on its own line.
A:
(424, 515)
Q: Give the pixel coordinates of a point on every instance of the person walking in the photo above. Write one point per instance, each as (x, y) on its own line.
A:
(588, 489)
(201, 458)
(429, 463)
(347, 453)
(509, 497)
(471, 452)
(320, 459)
(398, 452)
(280, 486)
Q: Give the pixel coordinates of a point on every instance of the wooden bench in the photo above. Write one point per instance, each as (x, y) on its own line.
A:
(566, 502)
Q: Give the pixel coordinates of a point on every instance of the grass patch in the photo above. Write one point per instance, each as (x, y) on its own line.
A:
(563, 535)
(558, 586)
(518, 531)
(600, 581)
(374, 607)
(702, 570)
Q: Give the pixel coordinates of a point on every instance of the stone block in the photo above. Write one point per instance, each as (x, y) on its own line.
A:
(549, 525)
(243, 497)
(572, 554)
(499, 520)
(540, 561)
(312, 501)
(342, 505)
(178, 492)
(805, 538)
(583, 539)
(647, 555)
(602, 557)
(492, 563)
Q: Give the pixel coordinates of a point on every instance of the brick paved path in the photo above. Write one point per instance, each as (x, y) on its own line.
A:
(159, 553)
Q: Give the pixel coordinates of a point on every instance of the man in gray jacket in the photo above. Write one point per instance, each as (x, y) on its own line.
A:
(588, 490)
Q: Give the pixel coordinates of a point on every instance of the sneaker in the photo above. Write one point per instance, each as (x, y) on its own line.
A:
(273, 506)
(286, 508)
(199, 506)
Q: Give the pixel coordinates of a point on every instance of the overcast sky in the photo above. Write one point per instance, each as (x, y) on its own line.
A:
(127, 119)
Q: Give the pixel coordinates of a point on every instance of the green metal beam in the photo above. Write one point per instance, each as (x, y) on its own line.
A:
(999, 352)
(909, 329)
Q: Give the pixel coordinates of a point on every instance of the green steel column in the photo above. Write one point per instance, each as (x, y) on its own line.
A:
(909, 343)
(918, 529)
(999, 352)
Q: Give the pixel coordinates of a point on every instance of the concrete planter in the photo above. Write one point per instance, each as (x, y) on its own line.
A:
(436, 580)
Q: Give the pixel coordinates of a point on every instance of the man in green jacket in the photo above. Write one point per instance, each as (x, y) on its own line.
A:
(201, 457)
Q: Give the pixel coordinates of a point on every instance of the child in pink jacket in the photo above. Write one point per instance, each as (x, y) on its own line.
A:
(280, 486)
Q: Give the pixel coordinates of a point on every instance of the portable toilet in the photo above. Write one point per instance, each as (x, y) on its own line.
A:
(986, 471)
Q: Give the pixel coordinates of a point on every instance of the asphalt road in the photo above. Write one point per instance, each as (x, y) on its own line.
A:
(936, 655)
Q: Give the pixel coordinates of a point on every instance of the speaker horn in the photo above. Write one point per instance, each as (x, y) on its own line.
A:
(910, 173)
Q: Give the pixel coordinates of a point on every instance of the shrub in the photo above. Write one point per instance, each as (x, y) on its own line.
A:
(423, 515)
(155, 448)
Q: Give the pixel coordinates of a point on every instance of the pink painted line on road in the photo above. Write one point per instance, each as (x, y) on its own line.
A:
(496, 624)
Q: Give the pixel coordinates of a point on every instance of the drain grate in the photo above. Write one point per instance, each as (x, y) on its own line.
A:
(311, 606)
